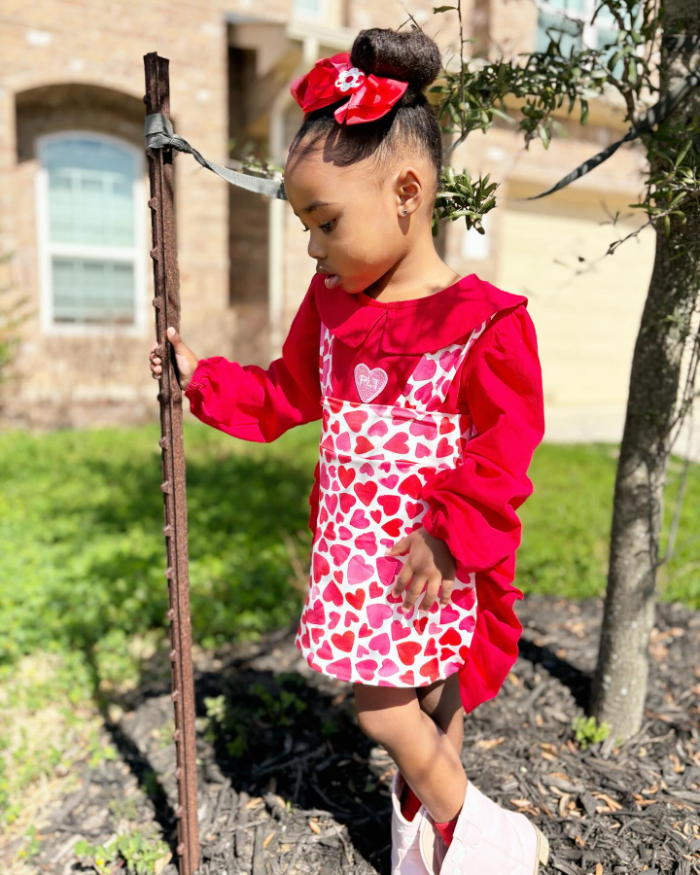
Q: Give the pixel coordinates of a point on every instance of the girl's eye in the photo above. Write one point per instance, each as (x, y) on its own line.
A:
(326, 226)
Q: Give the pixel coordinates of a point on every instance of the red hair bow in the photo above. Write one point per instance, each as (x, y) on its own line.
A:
(332, 78)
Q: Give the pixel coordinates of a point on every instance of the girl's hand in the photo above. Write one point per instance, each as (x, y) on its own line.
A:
(429, 559)
(185, 358)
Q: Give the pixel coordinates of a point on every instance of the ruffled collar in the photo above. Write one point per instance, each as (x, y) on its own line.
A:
(414, 326)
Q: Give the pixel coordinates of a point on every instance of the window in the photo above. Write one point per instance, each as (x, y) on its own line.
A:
(571, 19)
(89, 208)
(309, 8)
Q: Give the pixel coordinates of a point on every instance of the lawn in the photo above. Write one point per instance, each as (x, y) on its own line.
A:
(82, 552)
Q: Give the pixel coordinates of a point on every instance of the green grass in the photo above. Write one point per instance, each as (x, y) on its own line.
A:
(82, 554)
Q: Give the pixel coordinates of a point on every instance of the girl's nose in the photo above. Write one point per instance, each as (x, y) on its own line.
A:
(315, 250)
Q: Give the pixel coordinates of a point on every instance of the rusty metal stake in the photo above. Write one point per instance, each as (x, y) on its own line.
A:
(167, 307)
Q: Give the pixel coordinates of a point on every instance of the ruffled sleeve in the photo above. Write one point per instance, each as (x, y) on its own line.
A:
(260, 404)
(473, 507)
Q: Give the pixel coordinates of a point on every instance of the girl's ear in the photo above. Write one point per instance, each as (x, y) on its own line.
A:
(409, 191)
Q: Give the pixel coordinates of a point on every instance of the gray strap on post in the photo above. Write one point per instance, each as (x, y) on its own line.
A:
(160, 134)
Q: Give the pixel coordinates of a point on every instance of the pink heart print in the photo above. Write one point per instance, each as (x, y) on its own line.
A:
(369, 383)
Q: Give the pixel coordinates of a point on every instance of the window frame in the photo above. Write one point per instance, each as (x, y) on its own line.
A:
(589, 33)
(136, 254)
(321, 15)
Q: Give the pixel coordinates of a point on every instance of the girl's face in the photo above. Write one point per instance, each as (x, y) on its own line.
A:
(354, 217)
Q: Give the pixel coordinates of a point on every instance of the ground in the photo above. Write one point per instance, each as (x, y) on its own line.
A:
(289, 784)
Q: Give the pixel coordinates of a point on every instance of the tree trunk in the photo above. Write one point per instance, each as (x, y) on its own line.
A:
(620, 683)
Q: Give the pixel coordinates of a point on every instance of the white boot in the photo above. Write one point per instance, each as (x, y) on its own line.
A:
(487, 839)
(405, 856)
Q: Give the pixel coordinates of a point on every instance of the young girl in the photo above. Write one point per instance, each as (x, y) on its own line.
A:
(429, 389)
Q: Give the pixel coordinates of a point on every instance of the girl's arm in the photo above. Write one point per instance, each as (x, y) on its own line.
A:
(258, 404)
(473, 507)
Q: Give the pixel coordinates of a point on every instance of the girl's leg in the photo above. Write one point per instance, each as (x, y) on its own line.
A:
(442, 702)
(422, 750)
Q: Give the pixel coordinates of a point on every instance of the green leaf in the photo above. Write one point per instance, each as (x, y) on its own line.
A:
(443, 8)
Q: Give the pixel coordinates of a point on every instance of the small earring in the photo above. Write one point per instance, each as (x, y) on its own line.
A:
(405, 212)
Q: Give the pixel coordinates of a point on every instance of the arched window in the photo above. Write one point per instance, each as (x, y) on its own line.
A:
(89, 212)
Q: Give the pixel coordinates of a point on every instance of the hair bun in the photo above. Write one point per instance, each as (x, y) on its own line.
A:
(408, 55)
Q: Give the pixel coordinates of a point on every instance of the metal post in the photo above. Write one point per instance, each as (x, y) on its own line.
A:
(167, 311)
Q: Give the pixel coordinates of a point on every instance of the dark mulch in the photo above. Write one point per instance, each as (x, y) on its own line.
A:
(289, 784)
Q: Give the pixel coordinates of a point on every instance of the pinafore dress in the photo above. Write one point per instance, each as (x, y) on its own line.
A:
(374, 461)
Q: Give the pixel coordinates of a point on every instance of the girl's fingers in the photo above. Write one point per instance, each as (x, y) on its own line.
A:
(446, 594)
(431, 592)
(403, 579)
(414, 590)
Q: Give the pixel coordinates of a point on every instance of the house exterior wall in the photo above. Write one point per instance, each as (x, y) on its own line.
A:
(64, 67)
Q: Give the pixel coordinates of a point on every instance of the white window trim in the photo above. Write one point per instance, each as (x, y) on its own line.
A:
(321, 15)
(46, 249)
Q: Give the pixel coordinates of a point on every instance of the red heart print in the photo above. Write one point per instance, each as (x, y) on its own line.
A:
(341, 668)
(339, 553)
(367, 542)
(332, 594)
(407, 678)
(358, 570)
(393, 527)
(412, 509)
(355, 419)
(366, 492)
(389, 667)
(342, 442)
(430, 669)
(390, 503)
(331, 501)
(379, 429)
(419, 625)
(350, 618)
(397, 443)
(424, 393)
(408, 650)
(345, 641)
(452, 636)
(362, 445)
(444, 448)
(321, 567)
(317, 634)
(358, 520)
(376, 515)
(346, 501)
(387, 568)
(425, 369)
(365, 631)
(375, 591)
(446, 653)
(411, 486)
(389, 482)
(365, 669)
(399, 631)
(325, 651)
(380, 643)
(425, 427)
(431, 648)
(335, 427)
(334, 619)
(448, 359)
(446, 426)
(336, 404)
(422, 451)
(346, 475)
(345, 533)
(357, 599)
(376, 614)
(448, 615)
(362, 650)
(468, 623)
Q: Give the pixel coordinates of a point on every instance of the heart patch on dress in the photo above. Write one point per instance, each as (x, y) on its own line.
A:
(369, 383)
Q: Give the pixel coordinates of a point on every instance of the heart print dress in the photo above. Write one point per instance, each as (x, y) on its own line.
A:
(374, 461)
(430, 412)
